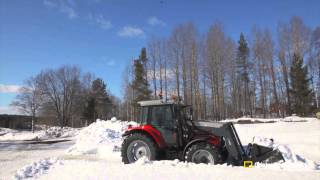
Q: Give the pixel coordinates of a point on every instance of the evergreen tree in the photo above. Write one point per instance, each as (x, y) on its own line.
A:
(140, 83)
(143, 56)
(243, 66)
(302, 96)
(89, 111)
(99, 104)
(144, 60)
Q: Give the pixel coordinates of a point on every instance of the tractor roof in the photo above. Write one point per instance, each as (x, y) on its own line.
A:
(154, 102)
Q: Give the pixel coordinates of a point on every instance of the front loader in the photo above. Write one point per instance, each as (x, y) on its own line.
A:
(167, 131)
(237, 154)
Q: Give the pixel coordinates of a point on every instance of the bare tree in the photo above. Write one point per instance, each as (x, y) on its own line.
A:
(194, 78)
(232, 85)
(215, 58)
(260, 66)
(29, 99)
(153, 47)
(164, 64)
(314, 64)
(60, 88)
(174, 54)
(269, 55)
(202, 77)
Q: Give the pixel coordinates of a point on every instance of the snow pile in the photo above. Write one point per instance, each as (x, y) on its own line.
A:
(292, 160)
(248, 120)
(20, 136)
(295, 118)
(113, 119)
(100, 137)
(4, 131)
(51, 133)
(58, 132)
(35, 169)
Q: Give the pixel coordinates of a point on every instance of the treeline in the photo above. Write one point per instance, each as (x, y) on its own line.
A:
(66, 97)
(260, 74)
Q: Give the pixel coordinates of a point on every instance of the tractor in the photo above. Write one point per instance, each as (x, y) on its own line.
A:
(166, 131)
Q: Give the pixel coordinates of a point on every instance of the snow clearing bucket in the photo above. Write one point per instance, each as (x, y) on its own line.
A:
(264, 154)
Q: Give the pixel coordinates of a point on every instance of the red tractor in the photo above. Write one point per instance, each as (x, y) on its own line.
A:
(167, 131)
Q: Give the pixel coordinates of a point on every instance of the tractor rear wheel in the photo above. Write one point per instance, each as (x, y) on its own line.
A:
(203, 153)
(136, 146)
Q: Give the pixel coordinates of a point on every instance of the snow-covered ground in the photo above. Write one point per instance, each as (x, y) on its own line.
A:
(303, 138)
(17, 151)
(15, 156)
(246, 120)
(94, 154)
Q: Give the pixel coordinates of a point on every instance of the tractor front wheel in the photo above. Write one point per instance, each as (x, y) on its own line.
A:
(203, 153)
(136, 146)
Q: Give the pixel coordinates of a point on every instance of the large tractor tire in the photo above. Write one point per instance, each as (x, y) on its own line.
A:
(136, 146)
(203, 152)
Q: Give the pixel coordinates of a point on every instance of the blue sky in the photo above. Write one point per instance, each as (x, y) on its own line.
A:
(102, 36)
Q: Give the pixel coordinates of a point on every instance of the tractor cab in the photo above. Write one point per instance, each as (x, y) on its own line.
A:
(169, 118)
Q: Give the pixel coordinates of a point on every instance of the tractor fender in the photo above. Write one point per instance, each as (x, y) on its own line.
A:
(211, 140)
(149, 131)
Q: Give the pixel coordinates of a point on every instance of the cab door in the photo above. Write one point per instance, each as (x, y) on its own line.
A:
(161, 118)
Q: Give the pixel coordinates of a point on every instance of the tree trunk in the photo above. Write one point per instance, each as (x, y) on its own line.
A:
(286, 81)
(275, 94)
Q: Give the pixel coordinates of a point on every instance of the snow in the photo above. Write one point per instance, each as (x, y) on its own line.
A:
(87, 169)
(14, 156)
(303, 138)
(16, 150)
(113, 119)
(50, 133)
(4, 131)
(293, 118)
(95, 155)
(36, 168)
(145, 169)
(292, 160)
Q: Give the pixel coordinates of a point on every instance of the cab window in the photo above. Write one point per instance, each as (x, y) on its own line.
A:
(143, 115)
(161, 116)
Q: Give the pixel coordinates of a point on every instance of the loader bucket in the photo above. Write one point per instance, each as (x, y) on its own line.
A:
(264, 154)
